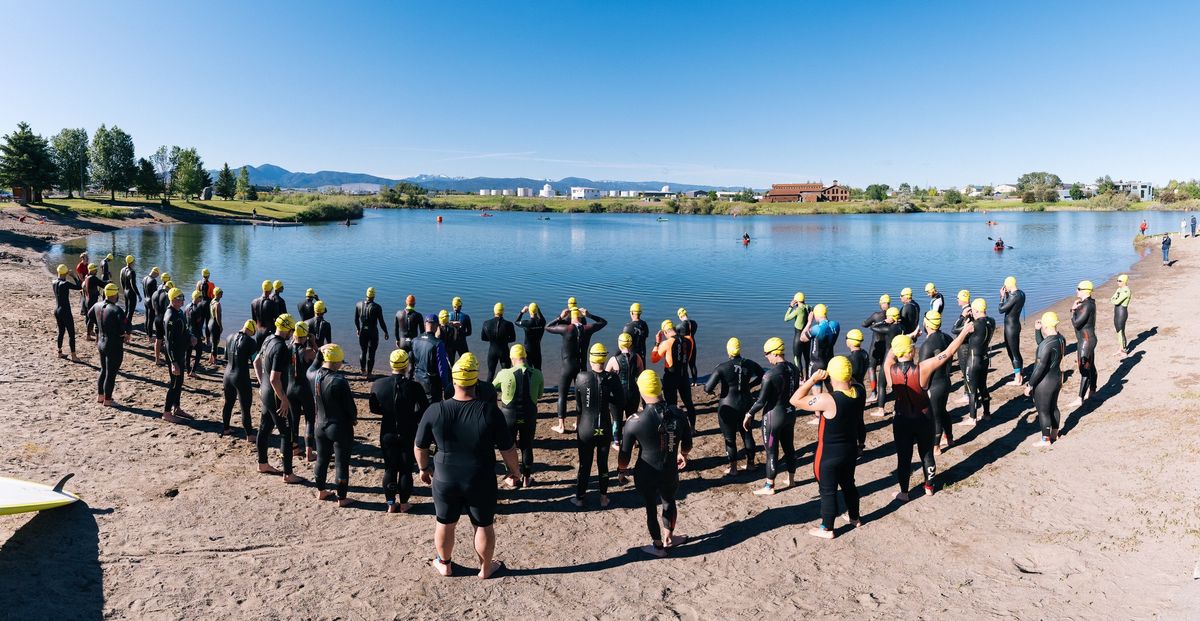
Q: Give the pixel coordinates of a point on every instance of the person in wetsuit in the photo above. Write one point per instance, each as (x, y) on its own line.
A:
(736, 377)
(320, 328)
(1083, 319)
(598, 402)
(937, 301)
(368, 320)
(977, 361)
(909, 380)
(62, 309)
(910, 313)
(112, 332)
(305, 308)
(1120, 301)
(840, 438)
(687, 328)
(576, 338)
(93, 288)
(676, 351)
(197, 318)
(336, 416)
(273, 366)
(779, 419)
(626, 365)
(261, 311)
(278, 304)
(149, 286)
(106, 268)
(456, 341)
(823, 335)
(800, 315)
(639, 330)
(535, 328)
(160, 301)
(1012, 302)
(938, 389)
(468, 431)
(884, 331)
(240, 349)
(860, 360)
(664, 438)
(878, 349)
(399, 402)
(301, 401)
(431, 364)
(964, 317)
(520, 386)
(216, 323)
(499, 333)
(129, 290)
(1045, 381)
(408, 324)
(176, 342)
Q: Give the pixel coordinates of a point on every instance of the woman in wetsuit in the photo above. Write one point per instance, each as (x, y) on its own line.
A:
(823, 335)
(964, 317)
(300, 395)
(878, 349)
(598, 402)
(149, 286)
(336, 416)
(675, 350)
(1083, 318)
(408, 325)
(576, 338)
(400, 402)
(319, 327)
(499, 333)
(1120, 301)
(638, 329)
(935, 343)
(92, 287)
(1045, 381)
(535, 329)
(860, 360)
(1012, 301)
(62, 309)
(197, 318)
(215, 323)
(884, 332)
(977, 360)
(129, 290)
(799, 314)
(736, 377)
(779, 418)
(910, 313)
(687, 328)
(627, 365)
(240, 349)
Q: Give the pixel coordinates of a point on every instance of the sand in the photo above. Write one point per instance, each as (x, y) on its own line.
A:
(176, 523)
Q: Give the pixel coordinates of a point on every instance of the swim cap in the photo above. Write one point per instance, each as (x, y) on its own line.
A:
(266, 286)
(466, 370)
(498, 309)
(598, 353)
(1123, 278)
(885, 299)
(1050, 319)
(1010, 282)
(855, 336)
(195, 294)
(443, 317)
(839, 369)
(979, 305)
(92, 268)
(571, 302)
(820, 311)
(667, 324)
(964, 296)
(285, 322)
(301, 330)
(217, 292)
(174, 294)
(892, 313)
(517, 352)
(934, 319)
(799, 297)
(168, 284)
(250, 326)
(154, 271)
(110, 290)
(333, 353)
(431, 318)
(649, 384)
(533, 308)
(575, 314)
(906, 292)
(62, 269)
(309, 293)
(398, 360)
(370, 293)
(319, 307)
(930, 287)
(410, 301)
(774, 345)
(682, 312)
(109, 257)
(278, 285)
(456, 303)
(636, 307)
(204, 273)
(625, 340)
(1085, 285)
(128, 259)
(733, 346)
(166, 277)
(902, 345)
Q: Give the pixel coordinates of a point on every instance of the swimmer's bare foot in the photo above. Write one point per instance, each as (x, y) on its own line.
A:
(577, 501)
(766, 490)
(853, 523)
(296, 450)
(526, 481)
(901, 496)
(404, 507)
(491, 570)
(655, 549)
(99, 398)
(324, 494)
(345, 502)
(312, 455)
(74, 358)
(966, 422)
(559, 428)
(109, 403)
(269, 469)
(61, 355)
(442, 567)
(603, 501)
(821, 532)
(730, 471)
(674, 541)
(291, 479)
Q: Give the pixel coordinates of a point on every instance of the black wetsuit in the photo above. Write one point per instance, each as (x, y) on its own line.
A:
(149, 287)
(860, 363)
(1083, 319)
(111, 329)
(161, 303)
(336, 415)
(535, 329)
(640, 332)
(320, 329)
(1046, 381)
(105, 271)
(779, 419)
(93, 289)
(838, 442)
(737, 378)
(262, 314)
(368, 320)
(884, 333)
(278, 307)
(661, 431)
(176, 342)
(197, 318)
(129, 291)
(467, 434)
(62, 310)
(239, 353)
(912, 424)
(688, 327)
(399, 402)
(300, 398)
(977, 365)
(276, 356)
(964, 355)
(910, 316)
(939, 385)
(937, 302)
(598, 402)
(456, 342)
(675, 377)
(877, 350)
(1011, 304)
(629, 365)
(576, 339)
(498, 333)
(520, 417)
(305, 309)
(408, 325)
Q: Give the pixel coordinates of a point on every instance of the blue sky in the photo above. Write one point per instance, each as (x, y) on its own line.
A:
(733, 93)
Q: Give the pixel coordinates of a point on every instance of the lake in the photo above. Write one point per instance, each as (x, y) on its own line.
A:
(608, 261)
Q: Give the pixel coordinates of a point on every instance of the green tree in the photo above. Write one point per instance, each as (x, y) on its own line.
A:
(164, 162)
(26, 162)
(113, 166)
(952, 197)
(1076, 192)
(745, 196)
(988, 191)
(252, 194)
(242, 187)
(226, 185)
(877, 191)
(1105, 185)
(71, 158)
(186, 179)
(712, 195)
(904, 188)
(1037, 181)
(147, 180)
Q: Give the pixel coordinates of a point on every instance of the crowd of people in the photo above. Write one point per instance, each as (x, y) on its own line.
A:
(438, 419)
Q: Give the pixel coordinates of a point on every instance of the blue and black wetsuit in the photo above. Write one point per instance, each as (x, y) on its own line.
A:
(431, 366)
(823, 337)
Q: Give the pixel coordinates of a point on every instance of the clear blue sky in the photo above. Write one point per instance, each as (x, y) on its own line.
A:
(736, 93)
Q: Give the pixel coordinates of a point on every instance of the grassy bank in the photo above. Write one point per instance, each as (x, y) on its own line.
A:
(303, 208)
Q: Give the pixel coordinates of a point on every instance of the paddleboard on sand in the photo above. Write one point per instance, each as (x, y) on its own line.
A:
(17, 496)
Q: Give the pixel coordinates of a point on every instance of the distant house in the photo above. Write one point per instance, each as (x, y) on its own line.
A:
(1139, 189)
(728, 196)
(806, 193)
(695, 193)
(585, 194)
(1004, 189)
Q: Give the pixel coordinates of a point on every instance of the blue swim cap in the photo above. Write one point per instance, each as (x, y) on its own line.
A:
(430, 318)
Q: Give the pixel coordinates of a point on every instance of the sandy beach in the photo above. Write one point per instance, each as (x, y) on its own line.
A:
(176, 523)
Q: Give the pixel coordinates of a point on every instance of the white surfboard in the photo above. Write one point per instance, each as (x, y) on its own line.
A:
(17, 496)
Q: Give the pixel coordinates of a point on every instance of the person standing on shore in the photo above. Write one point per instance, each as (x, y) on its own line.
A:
(499, 333)
(598, 402)
(197, 318)
(93, 287)
(305, 308)
(1143, 227)
(779, 419)
(129, 289)
(216, 324)
(878, 350)
(319, 327)
(639, 331)
(1083, 319)
(535, 329)
(910, 313)
(161, 302)
(938, 388)
(576, 339)
(1166, 249)
(240, 348)
(112, 332)
(301, 401)
(823, 335)
(273, 368)
(278, 304)
(461, 322)
(1045, 381)
(688, 328)
(467, 431)
(149, 286)
(1193, 226)
(674, 351)
(368, 321)
(62, 309)
(937, 301)
(982, 328)
(1012, 302)
(431, 363)
(519, 388)
(106, 268)
(336, 416)
(884, 331)
(964, 317)
(1120, 301)
(260, 312)
(399, 402)
(799, 314)
(736, 378)
(177, 340)
(408, 324)
(627, 366)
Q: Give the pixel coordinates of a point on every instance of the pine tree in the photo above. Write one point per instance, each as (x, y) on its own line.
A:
(147, 180)
(26, 162)
(226, 184)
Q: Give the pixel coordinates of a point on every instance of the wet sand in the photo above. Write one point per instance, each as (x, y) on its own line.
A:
(1105, 524)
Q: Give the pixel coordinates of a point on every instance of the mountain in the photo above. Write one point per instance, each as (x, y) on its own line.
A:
(269, 175)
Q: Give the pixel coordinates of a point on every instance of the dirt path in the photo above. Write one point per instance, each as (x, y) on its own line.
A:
(176, 524)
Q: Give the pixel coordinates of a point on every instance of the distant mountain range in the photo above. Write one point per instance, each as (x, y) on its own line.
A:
(269, 175)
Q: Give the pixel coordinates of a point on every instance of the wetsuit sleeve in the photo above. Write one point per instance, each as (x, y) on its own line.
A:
(443, 364)
(756, 372)
(538, 385)
(685, 440)
(869, 321)
(1081, 319)
(597, 324)
(1041, 367)
(660, 351)
(498, 429)
(466, 325)
(382, 323)
(424, 437)
(357, 316)
(558, 326)
(1007, 303)
(502, 383)
(861, 427)
(396, 324)
(485, 334)
(632, 427)
(767, 393)
(792, 313)
(713, 379)
(880, 328)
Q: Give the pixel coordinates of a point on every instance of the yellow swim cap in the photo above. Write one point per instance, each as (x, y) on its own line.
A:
(799, 297)
(625, 340)
(111, 290)
(892, 313)
(285, 322)
(964, 296)
(934, 319)
(278, 285)
(109, 257)
(733, 346)
(533, 308)
(1010, 282)
(979, 305)
(902, 345)
(1123, 278)
(1050, 319)
(774, 345)
(517, 352)
(820, 311)
(250, 326)
(319, 307)
(885, 299)
(301, 330)
(204, 273)
(92, 268)
(456, 303)
(398, 360)
(1085, 285)
(174, 294)
(166, 277)
(309, 293)
(571, 302)
(839, 369)
(195, 294)
(498, 309)
(154, 271)
(333, 353)
(855, 336)
(906, 292)
(61, 269)
(266, 286)
(466, 370)
(370, 293)
(128, 259)
(443, 317)
(682, 312)
(217, 292)
(575, 314)
(636, 307)
(598, 353)
(930, 287)
(649, 384)
(667, 324)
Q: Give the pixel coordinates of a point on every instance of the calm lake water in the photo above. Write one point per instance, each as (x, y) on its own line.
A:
(608, 261)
